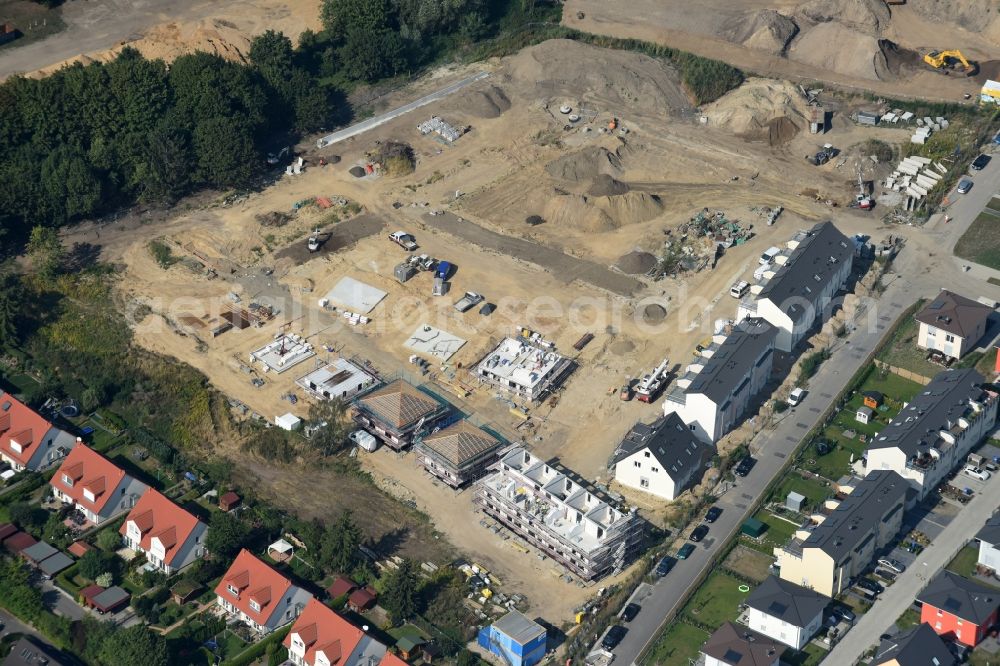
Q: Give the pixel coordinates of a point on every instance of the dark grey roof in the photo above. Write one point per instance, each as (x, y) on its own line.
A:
(53, 565)
(739, 646)
(750, 343)
(937, 407)
(919, 646)
(961, 597)
(990, 533)
(110, 597)
(674, 446)
(39, 551)
(820, 253)
(30, 651)
(519, 628)
(954, 313)
(787, 601)
(852, 521)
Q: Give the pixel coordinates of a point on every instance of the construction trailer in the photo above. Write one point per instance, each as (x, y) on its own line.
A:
(561, 516)
(515, 639)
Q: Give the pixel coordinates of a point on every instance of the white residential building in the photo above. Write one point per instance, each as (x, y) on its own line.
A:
(799, 286)
(732, 645)
(718, 387)
(170, 537)
(989, 544)
(95, 486)
(935, 431)
(257, 595)
(786, 612)
(28, 441)
(952, 324)
(663, 459)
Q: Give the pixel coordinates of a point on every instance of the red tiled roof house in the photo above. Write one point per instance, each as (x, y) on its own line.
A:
(95, 486)
(170, 537)
(321, 637)
(258, 595)
(957, 607)
(27, 440)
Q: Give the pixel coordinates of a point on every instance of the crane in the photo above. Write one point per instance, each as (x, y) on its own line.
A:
(650, 385)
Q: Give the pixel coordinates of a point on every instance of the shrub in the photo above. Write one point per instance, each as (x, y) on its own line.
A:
(161, 252)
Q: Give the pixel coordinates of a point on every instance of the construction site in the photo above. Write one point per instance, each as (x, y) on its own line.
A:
(551, 261)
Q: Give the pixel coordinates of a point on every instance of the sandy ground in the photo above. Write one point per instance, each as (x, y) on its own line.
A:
(98, 29)
(836, 51)
(517, 159)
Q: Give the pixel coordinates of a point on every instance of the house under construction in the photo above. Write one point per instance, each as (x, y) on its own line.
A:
(560, 516)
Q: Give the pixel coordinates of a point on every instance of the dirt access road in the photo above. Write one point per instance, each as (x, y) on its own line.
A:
(653, 21)
(563, 266)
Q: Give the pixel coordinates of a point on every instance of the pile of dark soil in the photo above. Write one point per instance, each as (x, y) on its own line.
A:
(781, 130)
(653, 313)
(606, 186)
(636, 263)
(356, 171)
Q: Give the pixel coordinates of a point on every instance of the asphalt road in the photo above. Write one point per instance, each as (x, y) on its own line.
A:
(919, 276)
(900, 595)
(366, 125)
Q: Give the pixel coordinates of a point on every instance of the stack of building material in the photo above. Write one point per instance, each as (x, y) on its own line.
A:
(915, 176)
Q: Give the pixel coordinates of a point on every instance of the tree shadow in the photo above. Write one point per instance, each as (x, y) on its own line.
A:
(387, 544)
(82, 255)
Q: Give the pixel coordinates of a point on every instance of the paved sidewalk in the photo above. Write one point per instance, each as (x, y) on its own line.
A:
(898, 597)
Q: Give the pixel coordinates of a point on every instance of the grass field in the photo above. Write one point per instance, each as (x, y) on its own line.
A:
(903, 352)
(716, 601)
(909, 618)
(815, 492)
(677, 646)
(964, 563)
(981, 243)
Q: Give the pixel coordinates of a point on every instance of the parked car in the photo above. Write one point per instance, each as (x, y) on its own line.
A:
(870, 585)
(685, 551)
(964, 185)
(739, 289)
(404, 240)
(886, 574)
(980, 162)
(713, 514)
(744, 466)
(843, 613)
(698, 533)
(892, 564)
(664, 566)
(769, 255)
(976, 473)
(630, 611)
(469, 301)
(613, 637)
(796, 396)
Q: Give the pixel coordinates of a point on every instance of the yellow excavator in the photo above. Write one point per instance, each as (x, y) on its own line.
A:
(943, 61)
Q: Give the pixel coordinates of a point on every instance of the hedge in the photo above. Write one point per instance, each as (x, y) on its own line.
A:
(257, 650)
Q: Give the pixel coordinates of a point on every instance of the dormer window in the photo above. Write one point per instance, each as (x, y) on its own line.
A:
(254, 605)
(67, 480)
(233, 591)
(16, 446)
(89, 495)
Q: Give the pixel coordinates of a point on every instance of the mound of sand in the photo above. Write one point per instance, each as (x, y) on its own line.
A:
(973, 15)
(576, 212)
(761, 110)
(839, 48)
(864, 16)
(585, 164)
(636, 263)
(630, 208)
(605, 186)
(654, 313)
(765, 30)
(562, 69)
(488, 103)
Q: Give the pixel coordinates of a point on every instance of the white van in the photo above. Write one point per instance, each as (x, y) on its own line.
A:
(769, 255)
(740, 289)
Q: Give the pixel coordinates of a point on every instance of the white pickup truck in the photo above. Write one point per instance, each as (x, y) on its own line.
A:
(404, 240)
(468, 301)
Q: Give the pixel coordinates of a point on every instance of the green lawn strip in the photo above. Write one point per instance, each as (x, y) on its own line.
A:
(814, 491)
(964, 563)
(678, 645)
(716, 601)
(981, 242)
(909, 618)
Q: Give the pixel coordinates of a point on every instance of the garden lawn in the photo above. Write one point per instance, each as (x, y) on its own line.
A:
(902, 352)
(964, 563)
(981, 242)
(677, 646)
(779, 531)
(909, 618)
(814, 491)
(716, 601)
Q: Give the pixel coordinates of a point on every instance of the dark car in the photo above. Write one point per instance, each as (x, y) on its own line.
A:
(664, 566)
(744, 467)
(870, 585)
(630, 611)
(685, 551)
(698, 533)
(713, 514)
(964, 185)
(613, 637)
(980, 162)
(843, 613)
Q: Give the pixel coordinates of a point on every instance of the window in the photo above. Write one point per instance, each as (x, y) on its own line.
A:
(232, 590)
(647, 454)
(644, 483)
(638, 463)
(931, 331)
(68, 481)
(949, 338)
(654, 469)
(940, 612)
(937, 625)
(254, 605)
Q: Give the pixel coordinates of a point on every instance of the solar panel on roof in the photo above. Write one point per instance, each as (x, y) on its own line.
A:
(777, 608)
(732, 656)
(953, 604)
(936, 305)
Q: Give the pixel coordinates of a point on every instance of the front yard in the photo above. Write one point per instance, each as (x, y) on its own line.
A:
(678, 645)
(716, 601)
(981, 242)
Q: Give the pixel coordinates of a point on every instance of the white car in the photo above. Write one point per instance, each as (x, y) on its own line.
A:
(404, 240)
(796, 396)
(892, 565)
(769, 255)
(976, 473)
(740, 289)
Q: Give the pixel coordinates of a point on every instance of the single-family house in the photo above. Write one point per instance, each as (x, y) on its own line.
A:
(934, 432)
(321, 637)
(514, 638)
(459, 453)
(989, 543)
(786, 612)
(959, 608)
(716, 389)
(663, 458)
(731, 645)
(99, 489)
(29, 441)
(826, 556)
(259, 596)
(396, 412)
(171, 537)
(918, 646)
(798, 288)
(952, 324)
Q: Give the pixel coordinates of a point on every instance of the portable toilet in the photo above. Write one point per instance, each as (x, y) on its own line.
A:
(404, 271)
